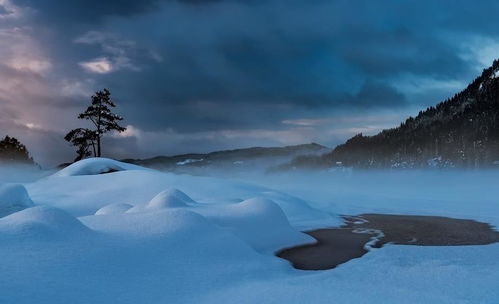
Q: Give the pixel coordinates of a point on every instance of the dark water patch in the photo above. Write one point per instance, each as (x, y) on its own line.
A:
(110, 170)
(338, 245)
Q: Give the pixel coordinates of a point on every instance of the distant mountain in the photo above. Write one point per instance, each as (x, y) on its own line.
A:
(243, 160)
(462, 131)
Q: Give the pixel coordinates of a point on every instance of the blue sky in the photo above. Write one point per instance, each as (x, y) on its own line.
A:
(196, 76)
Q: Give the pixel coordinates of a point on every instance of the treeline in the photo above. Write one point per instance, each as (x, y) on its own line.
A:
(14, 152)
(462, 131)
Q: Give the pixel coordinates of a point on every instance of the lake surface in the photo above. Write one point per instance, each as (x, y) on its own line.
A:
(360, 233)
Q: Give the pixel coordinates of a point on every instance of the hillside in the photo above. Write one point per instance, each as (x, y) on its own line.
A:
(249, 159)
(461, 131)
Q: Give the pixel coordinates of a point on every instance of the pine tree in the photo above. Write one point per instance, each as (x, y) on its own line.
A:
(462, 131)
(99, 113)
(11, 150)
(83, 139)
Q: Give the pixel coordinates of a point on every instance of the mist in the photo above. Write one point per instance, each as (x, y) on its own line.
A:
(345, 191)
(13, 173)
(459, 193)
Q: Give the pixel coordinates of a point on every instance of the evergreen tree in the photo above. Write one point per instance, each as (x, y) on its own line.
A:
(11, 150)
(99, 113)
(462, 131)
(82, 139)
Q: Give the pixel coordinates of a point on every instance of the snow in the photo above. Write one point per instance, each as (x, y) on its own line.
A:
(13, 198)
(189, 161)
(391, 275)
(113, 209)
(258, 221)
(452, 193)
(93, 166)
(83, 195)
(142, 236)
(171, 198)
(41, 222)
(158, 257)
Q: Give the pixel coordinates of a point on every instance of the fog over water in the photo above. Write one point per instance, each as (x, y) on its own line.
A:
(454, 193)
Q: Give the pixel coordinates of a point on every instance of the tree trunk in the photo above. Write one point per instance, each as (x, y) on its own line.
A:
(93, 148)
(99, 130)
(98, 146)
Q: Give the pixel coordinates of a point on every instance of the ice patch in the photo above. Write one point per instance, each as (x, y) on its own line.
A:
(377, 235)
(13, 198)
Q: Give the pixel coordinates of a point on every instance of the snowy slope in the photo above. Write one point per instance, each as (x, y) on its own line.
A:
(141, 236)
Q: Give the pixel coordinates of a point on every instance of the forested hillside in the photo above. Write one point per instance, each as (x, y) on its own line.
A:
(462, 131)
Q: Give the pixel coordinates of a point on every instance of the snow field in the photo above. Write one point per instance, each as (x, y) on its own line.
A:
(141, 236)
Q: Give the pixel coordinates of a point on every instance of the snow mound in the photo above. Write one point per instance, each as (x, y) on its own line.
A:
(260, 222)
(41, 222)
(13, 198)
(171, 198)
(174, 223)
(116, 208)
(94, 166)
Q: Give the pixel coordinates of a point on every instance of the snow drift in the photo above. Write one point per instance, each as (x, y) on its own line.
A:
(171, 198)
(258, 221)
(13, 198)
(41, 222)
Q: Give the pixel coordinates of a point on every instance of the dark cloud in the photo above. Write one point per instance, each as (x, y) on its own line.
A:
(204, 66)
(85, 11)
(266, 51)
(4, 11)
(260, 55)
(374, 94)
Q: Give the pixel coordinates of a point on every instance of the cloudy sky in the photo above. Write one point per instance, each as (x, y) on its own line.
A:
(202, 75)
